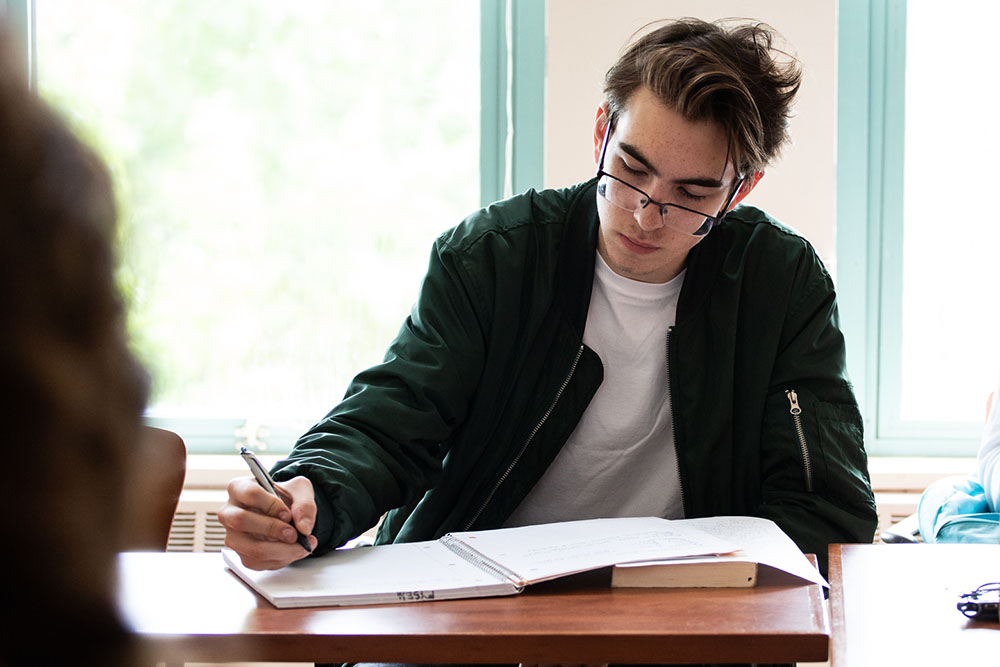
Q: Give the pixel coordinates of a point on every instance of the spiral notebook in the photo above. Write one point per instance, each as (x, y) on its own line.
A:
(474, 564)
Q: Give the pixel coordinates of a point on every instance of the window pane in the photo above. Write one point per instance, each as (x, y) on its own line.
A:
(282, 171)
(951, 306)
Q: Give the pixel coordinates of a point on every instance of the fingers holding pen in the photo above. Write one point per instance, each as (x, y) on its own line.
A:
(251, 511)
(295, 500)
(257, 523)
(246, 493)
(299, 496)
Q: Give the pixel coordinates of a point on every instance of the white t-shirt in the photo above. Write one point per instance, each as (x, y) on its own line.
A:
(989, 454)
(620, 460)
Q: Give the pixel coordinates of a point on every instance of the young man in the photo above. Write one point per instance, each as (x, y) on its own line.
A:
(620, 347)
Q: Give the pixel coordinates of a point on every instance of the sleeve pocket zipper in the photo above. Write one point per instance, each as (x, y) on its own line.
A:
(796, 411)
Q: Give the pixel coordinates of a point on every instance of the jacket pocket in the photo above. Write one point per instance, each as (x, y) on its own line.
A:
(830, 441)
(841, 439)
(814, 446)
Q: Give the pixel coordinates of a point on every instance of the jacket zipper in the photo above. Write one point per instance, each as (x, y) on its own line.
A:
(796, 411)
(531, 436)
(673, 425)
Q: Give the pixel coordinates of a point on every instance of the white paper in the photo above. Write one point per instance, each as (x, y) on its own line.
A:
(419, 571)
(546, 551)
(371, 575)
(762, 542)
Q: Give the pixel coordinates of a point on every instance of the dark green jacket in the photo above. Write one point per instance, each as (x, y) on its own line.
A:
(488, 377)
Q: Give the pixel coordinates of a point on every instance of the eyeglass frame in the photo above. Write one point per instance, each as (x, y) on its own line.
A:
(710, 220)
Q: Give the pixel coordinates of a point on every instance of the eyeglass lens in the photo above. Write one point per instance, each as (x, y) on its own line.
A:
(629, 198)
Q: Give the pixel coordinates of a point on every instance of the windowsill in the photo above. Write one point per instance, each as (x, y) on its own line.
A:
(915, 473)
(891, 473)
(213, 471)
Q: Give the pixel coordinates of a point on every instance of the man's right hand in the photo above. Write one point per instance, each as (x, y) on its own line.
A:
(257, 523)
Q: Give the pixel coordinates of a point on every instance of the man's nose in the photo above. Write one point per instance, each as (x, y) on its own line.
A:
(649, 217)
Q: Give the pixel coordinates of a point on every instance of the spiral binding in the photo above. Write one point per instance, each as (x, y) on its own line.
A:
(470, 555)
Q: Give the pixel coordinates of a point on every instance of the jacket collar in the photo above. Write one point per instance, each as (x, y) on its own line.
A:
(575, 272)
(703, 266)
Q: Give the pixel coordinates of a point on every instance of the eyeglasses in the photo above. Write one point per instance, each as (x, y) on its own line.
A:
(626, 196)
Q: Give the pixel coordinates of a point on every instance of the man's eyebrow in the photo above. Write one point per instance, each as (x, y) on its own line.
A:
(637, 155)
(702, 182)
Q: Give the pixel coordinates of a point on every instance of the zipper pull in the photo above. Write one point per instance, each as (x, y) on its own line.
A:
(793, 402)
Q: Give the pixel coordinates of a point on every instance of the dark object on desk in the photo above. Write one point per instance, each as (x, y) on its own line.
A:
(981, 604)
(878, 592)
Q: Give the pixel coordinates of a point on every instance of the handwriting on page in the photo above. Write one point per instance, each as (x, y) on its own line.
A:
(539, 552)
(611, 545)
(666, 544)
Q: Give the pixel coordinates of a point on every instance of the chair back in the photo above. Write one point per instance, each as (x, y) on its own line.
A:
(153, 489)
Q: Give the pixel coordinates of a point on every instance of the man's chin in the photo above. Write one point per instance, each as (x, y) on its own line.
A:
(629, 268)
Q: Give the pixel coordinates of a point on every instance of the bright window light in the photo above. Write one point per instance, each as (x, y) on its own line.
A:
(282, 169)
(951, 237)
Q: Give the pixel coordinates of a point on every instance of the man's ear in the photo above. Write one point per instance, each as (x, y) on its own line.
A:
(749, 183)
(600, 125)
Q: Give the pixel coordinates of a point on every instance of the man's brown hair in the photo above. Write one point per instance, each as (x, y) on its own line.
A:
(726, 72)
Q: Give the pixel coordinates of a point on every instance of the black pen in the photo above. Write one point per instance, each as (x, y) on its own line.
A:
(265, 481)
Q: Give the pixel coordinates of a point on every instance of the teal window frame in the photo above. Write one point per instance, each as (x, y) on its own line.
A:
(871, 143)
(512, 80)
(512, 93)
(19, 17)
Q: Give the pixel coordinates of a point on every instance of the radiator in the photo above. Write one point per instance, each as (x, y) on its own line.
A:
(196, 525)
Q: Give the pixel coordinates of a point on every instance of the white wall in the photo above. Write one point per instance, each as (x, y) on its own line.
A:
(586, 36)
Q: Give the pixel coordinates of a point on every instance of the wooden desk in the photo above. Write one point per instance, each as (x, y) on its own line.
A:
(189, 607)
(894, 604)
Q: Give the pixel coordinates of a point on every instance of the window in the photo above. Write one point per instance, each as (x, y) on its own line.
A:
(282, 170)
(916, 239)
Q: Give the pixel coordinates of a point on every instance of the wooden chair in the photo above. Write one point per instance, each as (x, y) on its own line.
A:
(153, 489)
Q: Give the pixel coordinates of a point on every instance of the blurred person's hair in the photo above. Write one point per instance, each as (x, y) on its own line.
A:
(725, 71)
(72, 394)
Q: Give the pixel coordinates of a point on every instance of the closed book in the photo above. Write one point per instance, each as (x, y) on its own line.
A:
(687, 573)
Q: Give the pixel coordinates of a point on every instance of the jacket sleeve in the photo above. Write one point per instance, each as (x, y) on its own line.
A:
(814, 470)
(383, 445)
